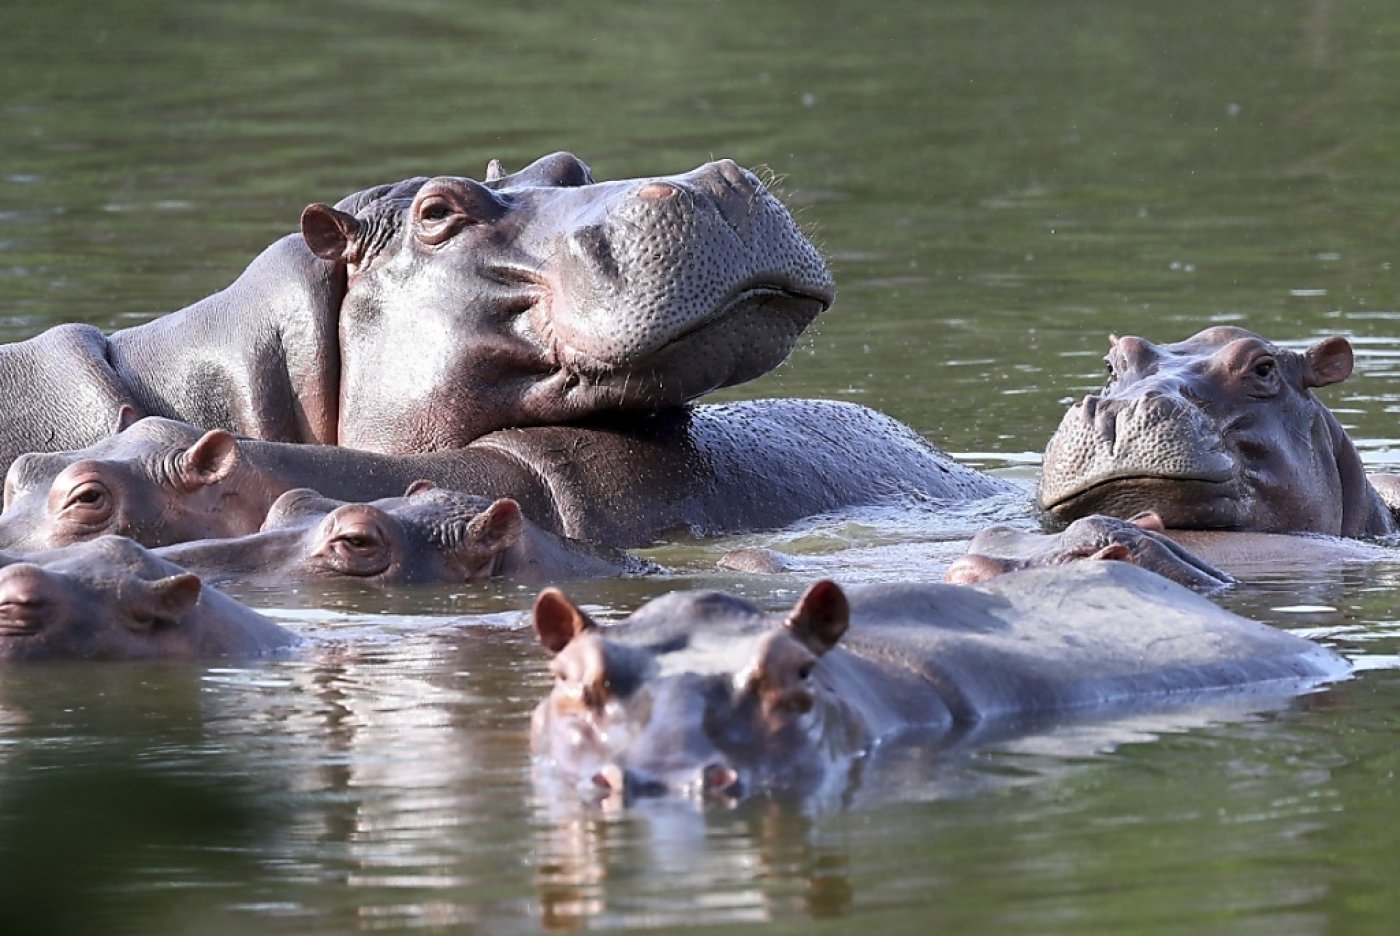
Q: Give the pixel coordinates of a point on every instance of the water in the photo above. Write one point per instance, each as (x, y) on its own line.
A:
(998, 186)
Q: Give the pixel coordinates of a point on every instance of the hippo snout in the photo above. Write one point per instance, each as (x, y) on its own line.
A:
(714, 780)
(27, 599)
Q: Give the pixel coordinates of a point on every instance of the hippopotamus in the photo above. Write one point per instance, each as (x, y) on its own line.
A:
(706, 469)
(422, 314)
(1202, 559)
(1142, 541)
(705, 694)
(111, 599)
(430, 535)
(1221, 432)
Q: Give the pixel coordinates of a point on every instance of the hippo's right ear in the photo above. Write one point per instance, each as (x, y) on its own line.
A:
(208, 461)
(558, 620)
(161, 603)
(820, 616)
(331, 234)
(1328, 362)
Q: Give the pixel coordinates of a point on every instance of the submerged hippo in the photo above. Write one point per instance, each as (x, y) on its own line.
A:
(1142, 541)
(709, 469)
(110, 599)
(429, 535)
(703, 693)
(1220, 431)
(423, 314)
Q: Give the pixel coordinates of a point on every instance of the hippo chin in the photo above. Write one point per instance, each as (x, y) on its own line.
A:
(428, 536)
(707, 469)
(1220, 431)
(110, 599)
(701, 693)
(423, 314)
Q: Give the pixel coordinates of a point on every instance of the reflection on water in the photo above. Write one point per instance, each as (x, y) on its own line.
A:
(998, 188)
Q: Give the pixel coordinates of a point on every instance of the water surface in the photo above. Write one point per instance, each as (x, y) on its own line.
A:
(998, 186)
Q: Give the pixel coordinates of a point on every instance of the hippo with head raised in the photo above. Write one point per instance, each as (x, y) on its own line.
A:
(110, 599)
(705, 694)
(1220, 431)
(428, 536)
(708, 469)
(423, 314)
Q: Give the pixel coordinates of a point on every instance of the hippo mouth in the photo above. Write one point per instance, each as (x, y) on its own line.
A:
(1180, 501)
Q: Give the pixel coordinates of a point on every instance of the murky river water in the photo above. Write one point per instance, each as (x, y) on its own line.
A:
(998, 187)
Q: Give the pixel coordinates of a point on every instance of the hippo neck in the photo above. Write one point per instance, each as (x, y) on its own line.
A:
(1364, 512)
(260, 358)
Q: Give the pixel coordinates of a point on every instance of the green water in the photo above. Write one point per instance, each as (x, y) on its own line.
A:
(998, 187)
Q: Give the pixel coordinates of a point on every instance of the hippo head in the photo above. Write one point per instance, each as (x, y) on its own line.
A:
(1220, 431)
(157, 481)
(430, 535)
(698, 693)
(540, 296)
(111, 599)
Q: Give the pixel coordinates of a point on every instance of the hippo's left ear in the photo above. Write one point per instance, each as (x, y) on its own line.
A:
(558, 620)
(331, 234)
(1327, 362)
(820, 616)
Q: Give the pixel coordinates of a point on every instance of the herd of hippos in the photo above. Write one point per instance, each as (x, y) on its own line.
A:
(451, 380)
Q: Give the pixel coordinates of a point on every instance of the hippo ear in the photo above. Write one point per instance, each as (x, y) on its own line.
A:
(331, 234)
(127, 417)
(210, 460)
(820, 616)
(418, 487)
(1327, 362)
(498, 527)
(558, 620)
(163, 602)
(495, 172)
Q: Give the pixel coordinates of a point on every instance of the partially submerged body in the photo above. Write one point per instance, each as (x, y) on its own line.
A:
(702, 693)
(428, 536)
(110, 599)
(707, 470)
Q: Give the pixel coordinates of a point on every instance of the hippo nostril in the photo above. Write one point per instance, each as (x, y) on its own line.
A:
(611, 778)
(657, 191)
(719, 778)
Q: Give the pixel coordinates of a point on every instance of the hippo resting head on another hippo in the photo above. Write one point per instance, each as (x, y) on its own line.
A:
(542, 296)
(704, 694)
(1220, 431)
(110, 599)
(423, 314)
(428, 536)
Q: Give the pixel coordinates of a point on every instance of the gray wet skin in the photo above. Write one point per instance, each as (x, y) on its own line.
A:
(111, 599)
(707, 469)
(703, 694)
(424, 314)
(1220, 431)
(428, 536)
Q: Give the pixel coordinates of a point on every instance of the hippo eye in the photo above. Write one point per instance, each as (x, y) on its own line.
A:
(1264, 368)
(806, 671)
(90, 500)
(435, 209)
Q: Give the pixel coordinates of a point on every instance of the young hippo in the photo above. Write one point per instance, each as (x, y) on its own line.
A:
(429, 535)
(111, 599)
(704, 694)
(707, 470)
(1219, 432)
